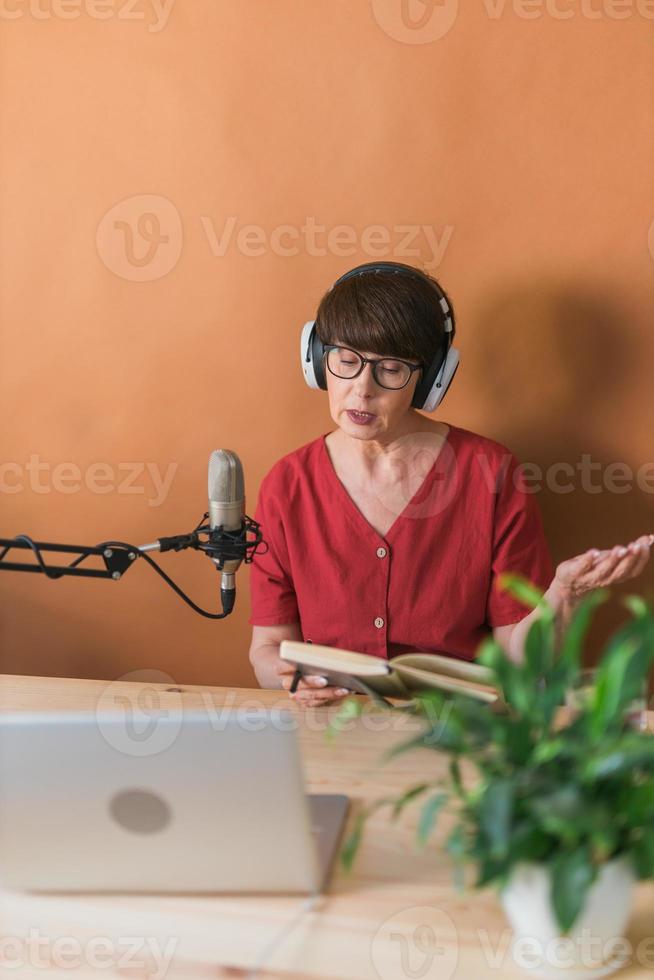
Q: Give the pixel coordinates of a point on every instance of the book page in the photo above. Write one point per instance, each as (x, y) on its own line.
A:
(448, 666)
(425, 680)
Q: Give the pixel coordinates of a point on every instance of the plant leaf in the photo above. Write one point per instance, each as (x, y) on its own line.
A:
(529, 843)
(637, 803)
(539, 647)
(495, 812)
(352, 708)
(429, 815)
(642, 854)
(352, 842)
(513, 681)
(455, 777)
(621, 675)
(550, 749)
(525, 591)
(573, 640)
(572, 875)
(627, 753)
(489, 870)
(638, 606)
(411, 794)
(563, 813)
(456, 847)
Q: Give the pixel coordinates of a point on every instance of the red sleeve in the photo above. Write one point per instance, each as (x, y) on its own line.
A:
(272, 594)
(519, 545)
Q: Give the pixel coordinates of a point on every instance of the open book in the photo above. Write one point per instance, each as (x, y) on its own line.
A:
(401, 677)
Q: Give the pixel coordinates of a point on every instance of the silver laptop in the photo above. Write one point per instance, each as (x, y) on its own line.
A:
(200, 805)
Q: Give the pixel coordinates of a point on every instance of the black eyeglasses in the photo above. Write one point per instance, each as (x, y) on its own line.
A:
(388, 372)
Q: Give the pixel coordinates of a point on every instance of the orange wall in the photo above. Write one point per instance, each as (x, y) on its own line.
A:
(520, 138)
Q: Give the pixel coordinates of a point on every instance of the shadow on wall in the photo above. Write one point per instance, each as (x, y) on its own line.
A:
(553, 361)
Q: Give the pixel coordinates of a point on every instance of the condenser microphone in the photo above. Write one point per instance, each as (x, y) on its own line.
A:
(226, 511)
(229, 538)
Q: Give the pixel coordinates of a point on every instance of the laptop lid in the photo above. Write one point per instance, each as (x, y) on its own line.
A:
(201, 805)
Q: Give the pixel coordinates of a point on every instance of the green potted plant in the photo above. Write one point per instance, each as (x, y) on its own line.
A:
(560, 815)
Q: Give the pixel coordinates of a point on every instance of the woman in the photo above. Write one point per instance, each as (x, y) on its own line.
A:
(389, 533)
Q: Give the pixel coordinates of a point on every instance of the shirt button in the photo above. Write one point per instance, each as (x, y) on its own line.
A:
(381, 552)
(379, 622)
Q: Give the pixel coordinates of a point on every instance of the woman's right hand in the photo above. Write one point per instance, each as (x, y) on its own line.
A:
(312, 691)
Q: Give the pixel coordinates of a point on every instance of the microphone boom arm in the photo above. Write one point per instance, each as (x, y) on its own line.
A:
(220, 545)
(116, 559)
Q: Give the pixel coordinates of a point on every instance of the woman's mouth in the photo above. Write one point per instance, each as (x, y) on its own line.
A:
(360, 418)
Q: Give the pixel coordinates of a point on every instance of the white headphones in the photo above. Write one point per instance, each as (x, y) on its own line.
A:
(436, 378)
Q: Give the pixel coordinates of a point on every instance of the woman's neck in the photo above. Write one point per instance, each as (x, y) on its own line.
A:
(364, 455)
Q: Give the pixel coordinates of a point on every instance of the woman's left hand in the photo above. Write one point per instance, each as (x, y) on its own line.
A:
(595, 569)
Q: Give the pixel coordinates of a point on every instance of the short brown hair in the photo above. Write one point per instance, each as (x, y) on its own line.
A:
(386, 314)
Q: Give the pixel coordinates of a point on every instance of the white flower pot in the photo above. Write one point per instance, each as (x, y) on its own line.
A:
(587, 950)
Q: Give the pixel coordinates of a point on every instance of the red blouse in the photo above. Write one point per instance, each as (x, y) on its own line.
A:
(429, 584)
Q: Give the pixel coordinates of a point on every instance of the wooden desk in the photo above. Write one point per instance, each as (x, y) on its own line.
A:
(398, 902)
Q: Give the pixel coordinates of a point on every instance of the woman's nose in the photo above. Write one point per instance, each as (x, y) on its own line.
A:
(365, 382)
